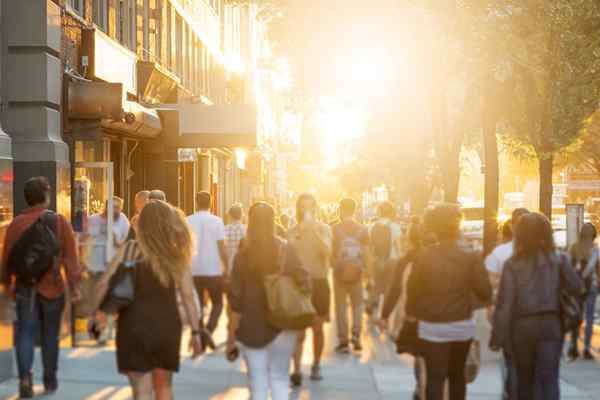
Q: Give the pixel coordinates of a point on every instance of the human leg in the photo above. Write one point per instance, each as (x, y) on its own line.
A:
(437, 356)
(456, 369)
(340, 294)
(547, 368)
(141, 385)
(523, 356)
(201, 286)
(357, 304)
(279, 354)
(50, 311)
(318, 346)
(258, 372)
(215, 291)
(296, 376)
(25, 328)
(162, 384)
(590, 308)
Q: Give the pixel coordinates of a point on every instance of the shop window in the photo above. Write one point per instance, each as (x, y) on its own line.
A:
(76, 5)
(99, 14)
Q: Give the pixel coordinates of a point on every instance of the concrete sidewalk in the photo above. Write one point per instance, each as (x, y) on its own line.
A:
(377, 373)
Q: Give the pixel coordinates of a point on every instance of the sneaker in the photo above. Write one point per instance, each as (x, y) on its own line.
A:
(50, 386)
(26, 389)
(315, 373)
(342, 348)
(296, 379)
(356, 345)
(587, 355)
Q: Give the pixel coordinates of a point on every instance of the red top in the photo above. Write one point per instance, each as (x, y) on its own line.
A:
(52, 285)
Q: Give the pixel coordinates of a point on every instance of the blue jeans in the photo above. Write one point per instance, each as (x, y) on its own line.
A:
(590, 308)
(36, 313)
(537, 349)
(588, 305)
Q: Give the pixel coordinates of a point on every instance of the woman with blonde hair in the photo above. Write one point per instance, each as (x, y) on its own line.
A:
(149, 330)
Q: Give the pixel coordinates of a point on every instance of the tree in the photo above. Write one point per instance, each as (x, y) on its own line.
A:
(555, 53)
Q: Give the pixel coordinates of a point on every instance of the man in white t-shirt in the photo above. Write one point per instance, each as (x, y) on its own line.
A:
(210, 258)
(494, 263)
(97, 225)
(97, 258)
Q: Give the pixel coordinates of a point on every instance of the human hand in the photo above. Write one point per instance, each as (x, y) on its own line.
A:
(382, 324)
(195, 346)
(231, 351)
(76, 296)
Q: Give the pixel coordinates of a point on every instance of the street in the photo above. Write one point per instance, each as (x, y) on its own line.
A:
(378, 373)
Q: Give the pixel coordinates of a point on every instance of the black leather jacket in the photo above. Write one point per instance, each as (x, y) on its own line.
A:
(529, 287)
(447, 284)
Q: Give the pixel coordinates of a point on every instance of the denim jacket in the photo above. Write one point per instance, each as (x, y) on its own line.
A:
(529, 287)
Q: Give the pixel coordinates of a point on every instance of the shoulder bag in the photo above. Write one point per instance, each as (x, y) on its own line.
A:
(570, 307)
(121, 287)
(289, 306)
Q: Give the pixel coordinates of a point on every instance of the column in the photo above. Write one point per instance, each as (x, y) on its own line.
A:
(6, 311)
(33, 83)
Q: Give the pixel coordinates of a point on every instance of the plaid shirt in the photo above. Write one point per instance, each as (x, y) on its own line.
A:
(234, 233)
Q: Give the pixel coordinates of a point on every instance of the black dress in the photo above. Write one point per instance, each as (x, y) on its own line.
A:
(149, 330)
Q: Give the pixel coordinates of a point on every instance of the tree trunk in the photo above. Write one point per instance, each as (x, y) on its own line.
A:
(492, 173)
(452, 176)
(546, 165)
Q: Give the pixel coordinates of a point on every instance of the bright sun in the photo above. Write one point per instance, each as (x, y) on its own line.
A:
(338, 124)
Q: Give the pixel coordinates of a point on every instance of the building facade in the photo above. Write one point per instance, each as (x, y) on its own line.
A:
(109, 97)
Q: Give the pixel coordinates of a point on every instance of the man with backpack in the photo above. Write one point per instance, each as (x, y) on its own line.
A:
(37, 243)
(385, 247)
(350, 249)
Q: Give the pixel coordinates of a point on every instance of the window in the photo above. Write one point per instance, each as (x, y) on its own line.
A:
(146, 29)
(76, 5)
(99, 14)
(126, 23)
(179, 46)
(169, 41)
(158, 32)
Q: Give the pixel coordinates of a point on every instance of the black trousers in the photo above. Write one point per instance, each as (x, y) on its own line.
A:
(215, 286)
(445, 361)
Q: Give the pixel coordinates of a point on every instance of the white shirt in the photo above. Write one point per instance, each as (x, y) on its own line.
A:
(97, 231)
(458, 331)
(207, 230)
(496, 259)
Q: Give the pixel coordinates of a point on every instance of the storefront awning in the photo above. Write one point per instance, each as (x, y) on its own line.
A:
(139, 122)
(226, 125)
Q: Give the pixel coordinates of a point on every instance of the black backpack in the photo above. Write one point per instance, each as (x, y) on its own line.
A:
(36, 251)
(381, 240)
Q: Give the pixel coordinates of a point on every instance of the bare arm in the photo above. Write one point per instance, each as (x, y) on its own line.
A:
(102, 285)
(223, 254)
(189, 303)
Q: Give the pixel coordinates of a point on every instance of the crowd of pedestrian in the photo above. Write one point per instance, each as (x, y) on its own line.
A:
(276, 276)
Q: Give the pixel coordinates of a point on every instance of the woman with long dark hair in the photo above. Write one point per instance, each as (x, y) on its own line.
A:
(527, 318)
(266, 349)
(585, 258)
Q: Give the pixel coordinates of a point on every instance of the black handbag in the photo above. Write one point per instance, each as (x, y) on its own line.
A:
(121, 287)
(570, 306)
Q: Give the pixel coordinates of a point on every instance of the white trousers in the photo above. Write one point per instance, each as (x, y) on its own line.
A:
(268, 367)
